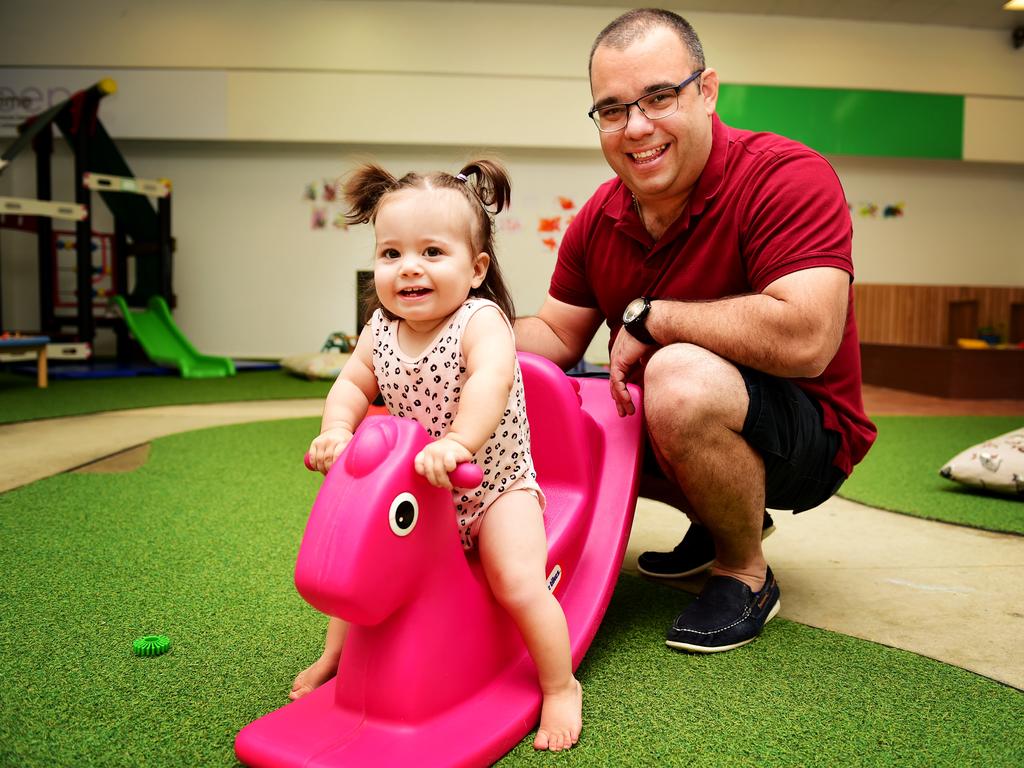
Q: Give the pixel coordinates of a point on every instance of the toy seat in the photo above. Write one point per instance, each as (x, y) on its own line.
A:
(566, 447)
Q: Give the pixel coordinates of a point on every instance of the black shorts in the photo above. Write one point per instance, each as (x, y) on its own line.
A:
(785, 427)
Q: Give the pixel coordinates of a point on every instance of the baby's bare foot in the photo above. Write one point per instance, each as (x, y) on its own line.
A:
(561, 718)
(312, 677)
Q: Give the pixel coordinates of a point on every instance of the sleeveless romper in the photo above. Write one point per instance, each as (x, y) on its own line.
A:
(427, 388)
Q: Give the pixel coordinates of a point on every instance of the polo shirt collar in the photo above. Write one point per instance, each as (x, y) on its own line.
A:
(621, 203)
(621, 209)
(710, 181)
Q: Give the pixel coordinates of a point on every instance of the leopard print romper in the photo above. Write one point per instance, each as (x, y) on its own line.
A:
(427, 388)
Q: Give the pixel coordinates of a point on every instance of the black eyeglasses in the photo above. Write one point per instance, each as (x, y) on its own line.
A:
(654, 106)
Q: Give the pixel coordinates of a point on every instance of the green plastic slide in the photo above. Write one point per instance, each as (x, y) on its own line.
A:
(166, 345)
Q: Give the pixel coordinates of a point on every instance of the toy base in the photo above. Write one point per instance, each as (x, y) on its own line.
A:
(314, 732)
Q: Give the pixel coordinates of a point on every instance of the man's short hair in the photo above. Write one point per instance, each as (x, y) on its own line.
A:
(636, 24)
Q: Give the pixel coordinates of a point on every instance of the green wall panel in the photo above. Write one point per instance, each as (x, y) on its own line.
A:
(851, 122)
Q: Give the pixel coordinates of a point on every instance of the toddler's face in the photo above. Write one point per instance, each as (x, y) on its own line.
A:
(424, 265)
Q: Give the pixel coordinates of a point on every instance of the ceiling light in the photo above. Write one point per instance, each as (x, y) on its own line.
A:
(1014, 5)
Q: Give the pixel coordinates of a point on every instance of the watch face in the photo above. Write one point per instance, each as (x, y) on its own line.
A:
(633, 310)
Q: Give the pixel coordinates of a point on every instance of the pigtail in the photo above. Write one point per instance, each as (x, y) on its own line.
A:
(363, 190)
(487, 181)
(490, 183)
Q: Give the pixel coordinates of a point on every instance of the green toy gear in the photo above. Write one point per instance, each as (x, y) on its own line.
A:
(151, 645)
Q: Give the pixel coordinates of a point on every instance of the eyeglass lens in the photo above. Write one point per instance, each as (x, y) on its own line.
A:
(654, 106)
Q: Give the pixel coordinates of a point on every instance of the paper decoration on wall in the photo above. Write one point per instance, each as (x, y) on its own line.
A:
(507, 224)
(325, 194)
(551, 228)
(869, 210)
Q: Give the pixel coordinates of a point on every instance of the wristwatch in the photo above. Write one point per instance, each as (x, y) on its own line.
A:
(634, 317)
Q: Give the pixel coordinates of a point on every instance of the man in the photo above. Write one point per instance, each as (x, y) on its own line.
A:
(720, 259)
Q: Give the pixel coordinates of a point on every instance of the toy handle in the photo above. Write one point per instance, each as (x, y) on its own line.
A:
(466, 475)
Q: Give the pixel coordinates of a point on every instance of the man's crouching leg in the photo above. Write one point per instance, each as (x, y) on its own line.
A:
(695, 404)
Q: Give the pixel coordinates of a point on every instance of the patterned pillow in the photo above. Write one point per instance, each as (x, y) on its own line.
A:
(316, 365)
(996, 464)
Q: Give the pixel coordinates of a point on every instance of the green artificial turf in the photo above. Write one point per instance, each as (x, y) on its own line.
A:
(901, 471)
(21, 400)
(199, 544)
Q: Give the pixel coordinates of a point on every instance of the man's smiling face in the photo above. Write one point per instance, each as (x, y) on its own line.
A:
(659, 160)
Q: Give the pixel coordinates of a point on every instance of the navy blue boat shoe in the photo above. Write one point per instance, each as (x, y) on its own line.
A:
(726, 614)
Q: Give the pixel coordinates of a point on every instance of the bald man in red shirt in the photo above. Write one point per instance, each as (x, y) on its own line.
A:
(721, 261)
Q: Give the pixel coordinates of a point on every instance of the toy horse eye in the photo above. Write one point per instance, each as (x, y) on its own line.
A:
(404, 513)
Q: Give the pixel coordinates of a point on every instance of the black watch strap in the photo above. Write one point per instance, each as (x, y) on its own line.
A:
(637, 326)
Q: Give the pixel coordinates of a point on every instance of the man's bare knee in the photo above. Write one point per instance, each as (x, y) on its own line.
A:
(680, 384)
(688, 390)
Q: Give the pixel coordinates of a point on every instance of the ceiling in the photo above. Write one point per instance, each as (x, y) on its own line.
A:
(983, 14)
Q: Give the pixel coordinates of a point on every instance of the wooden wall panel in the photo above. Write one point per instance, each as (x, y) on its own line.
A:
(919, 314)
(973, 374)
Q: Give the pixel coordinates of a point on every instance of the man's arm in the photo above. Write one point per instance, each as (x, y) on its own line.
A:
(559, 331)
(791, 329)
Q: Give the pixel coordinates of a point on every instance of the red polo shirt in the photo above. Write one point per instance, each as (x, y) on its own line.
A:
(764, 206)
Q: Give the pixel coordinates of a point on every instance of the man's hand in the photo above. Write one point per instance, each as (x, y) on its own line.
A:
(439, 458)
(327, 447)
(626, 354)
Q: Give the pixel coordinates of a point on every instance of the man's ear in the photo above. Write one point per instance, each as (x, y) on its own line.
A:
(709, 90)
(480, 266)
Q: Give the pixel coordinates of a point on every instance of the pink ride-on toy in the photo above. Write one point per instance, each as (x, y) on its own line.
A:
(433, 671)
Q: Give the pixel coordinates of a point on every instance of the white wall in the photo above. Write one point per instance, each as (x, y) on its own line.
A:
(316, 70)
(487, 40)
(253, 278)
(962, 222)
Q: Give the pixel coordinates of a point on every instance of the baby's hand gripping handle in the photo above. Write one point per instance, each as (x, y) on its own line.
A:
(466, 475)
